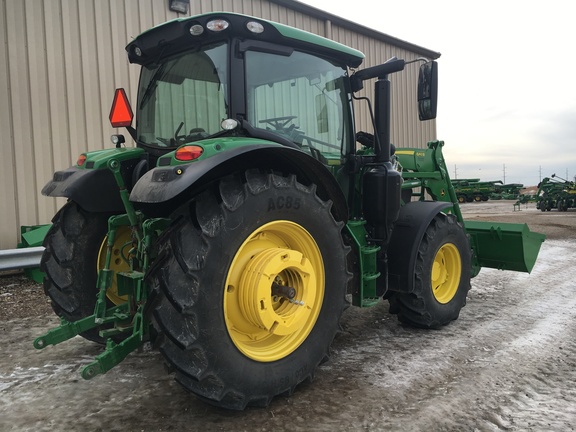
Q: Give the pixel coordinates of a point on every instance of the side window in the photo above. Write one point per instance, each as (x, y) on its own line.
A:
(183, 98)
(300, 97)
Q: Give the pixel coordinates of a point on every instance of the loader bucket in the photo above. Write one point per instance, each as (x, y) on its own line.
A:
(504, 246)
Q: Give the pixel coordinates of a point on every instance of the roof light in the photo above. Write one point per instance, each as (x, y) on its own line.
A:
(229, 124)
(217, 25)
(81, 159)
(196, 30)
(255, 27)
(121, 113)
(188, 153)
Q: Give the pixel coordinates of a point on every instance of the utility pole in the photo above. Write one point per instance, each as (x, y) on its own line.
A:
(504, 171)
(455, 172)
(540, 174)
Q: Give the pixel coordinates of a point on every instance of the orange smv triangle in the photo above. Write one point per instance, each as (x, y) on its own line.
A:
(121, 113)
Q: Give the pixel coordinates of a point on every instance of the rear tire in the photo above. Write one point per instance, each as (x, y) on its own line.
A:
(70, 262)
(228, 338)
(441, 276)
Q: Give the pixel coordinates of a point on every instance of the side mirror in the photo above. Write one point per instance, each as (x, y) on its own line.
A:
(428, 90)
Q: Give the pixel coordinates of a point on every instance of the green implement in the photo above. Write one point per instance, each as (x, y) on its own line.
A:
(33, 236)
(504, 246)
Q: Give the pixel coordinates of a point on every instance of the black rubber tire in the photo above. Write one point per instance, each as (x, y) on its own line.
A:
(196, 255)
(70, 262)
(420, 308)
(461, 199)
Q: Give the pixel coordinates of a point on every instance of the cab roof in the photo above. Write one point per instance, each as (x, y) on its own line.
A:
(173, 36)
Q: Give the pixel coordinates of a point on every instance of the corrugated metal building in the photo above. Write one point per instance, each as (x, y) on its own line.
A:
(60, 61)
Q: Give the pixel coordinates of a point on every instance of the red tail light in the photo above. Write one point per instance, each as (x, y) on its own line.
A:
(121, 113)
(81, 160)
(189, 153)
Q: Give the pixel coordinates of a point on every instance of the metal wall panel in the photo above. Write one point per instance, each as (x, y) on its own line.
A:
(60, 61)
(9, 218)
(19, 141)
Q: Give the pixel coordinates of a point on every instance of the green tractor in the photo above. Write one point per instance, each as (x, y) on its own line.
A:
(247, 218)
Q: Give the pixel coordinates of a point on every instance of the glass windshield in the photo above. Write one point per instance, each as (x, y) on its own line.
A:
(183, 98)
(300, 97)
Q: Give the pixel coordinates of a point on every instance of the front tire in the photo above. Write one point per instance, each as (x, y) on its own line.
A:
(441, 276)
(229, 338)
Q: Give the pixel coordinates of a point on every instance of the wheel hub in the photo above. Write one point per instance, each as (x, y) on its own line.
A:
(273, 313)
(274, 291)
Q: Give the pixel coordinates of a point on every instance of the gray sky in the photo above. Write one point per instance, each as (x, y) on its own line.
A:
(506, 79)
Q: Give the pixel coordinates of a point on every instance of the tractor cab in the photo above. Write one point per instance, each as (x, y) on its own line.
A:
(222, 75)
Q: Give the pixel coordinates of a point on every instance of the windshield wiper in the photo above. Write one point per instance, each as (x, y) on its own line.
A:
(152, 85)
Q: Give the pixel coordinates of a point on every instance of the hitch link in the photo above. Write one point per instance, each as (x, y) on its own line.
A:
(124, 319)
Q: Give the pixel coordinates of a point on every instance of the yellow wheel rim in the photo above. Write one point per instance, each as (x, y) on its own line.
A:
(117, 262)
(267, 327)
(446, 271)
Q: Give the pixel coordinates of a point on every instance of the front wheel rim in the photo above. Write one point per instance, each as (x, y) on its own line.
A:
(446, 273)
(266, 326)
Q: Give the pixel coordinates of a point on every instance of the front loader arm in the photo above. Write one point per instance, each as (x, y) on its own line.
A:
(504, 246)
(426, 169)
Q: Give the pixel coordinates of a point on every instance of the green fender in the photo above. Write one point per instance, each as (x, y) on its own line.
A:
(409, 228)
(171, 185)
(93, 185)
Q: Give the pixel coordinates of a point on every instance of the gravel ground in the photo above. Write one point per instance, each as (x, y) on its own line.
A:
(21, 297)
(508, 363)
